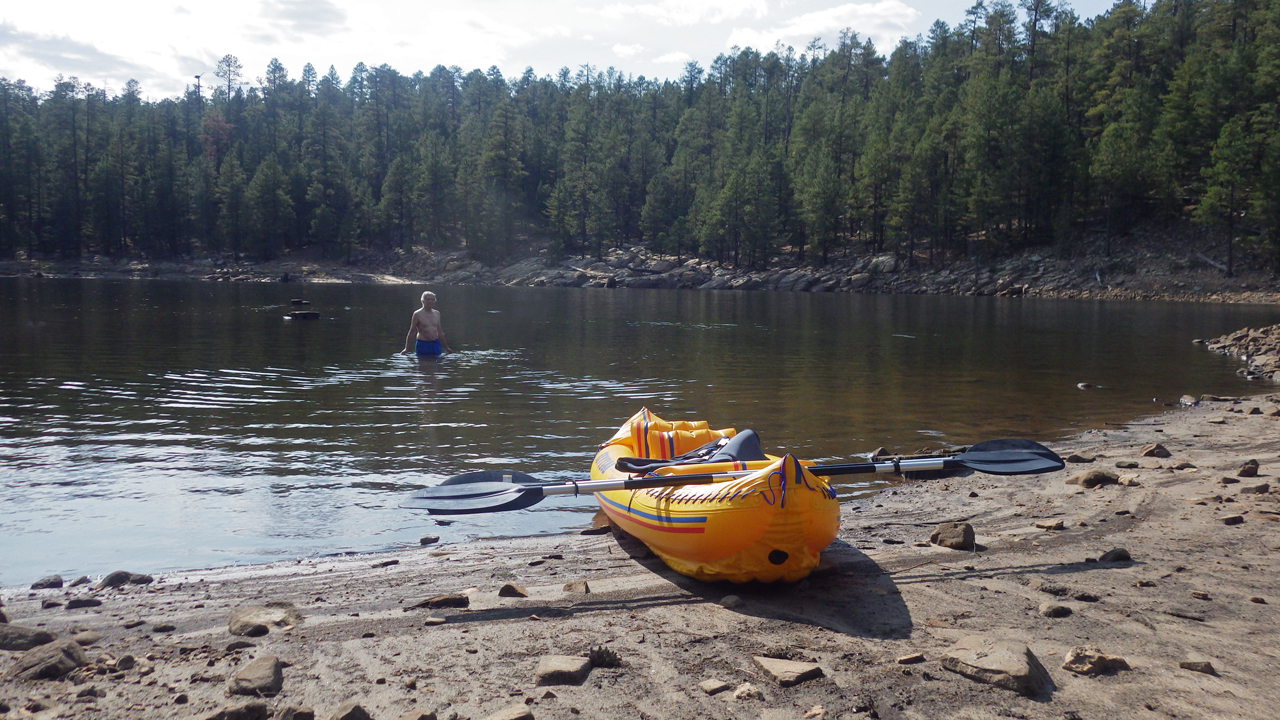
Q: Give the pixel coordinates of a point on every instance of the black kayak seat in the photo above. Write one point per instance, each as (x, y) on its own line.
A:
(743, 447)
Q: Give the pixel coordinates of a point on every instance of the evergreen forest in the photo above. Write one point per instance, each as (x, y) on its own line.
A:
(1023, 126)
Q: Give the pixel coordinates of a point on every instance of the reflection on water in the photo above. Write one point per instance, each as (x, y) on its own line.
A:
(166, 425)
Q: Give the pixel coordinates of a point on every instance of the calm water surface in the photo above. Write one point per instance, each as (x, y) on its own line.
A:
(155, 426)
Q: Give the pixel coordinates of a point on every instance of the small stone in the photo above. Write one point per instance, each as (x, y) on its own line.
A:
(451, 600)
(385, 563)
(1155, 450)
(1129, 481)
(512, 712)
(1085, 596)
(1254, 411)
(164, 628)
(77, 603)
(263, 676)
(48, 662)
(434, 621)
(1258, 600)
(911, 659)
(788, 672)
(747, 691)
(973, 494)
(714, 687)
(20, 639)
(1200, 666)
(954, 535)
(1126, 464)
(817, 712)
(1229, 481)
(1248, 469)
(239, 645)
(1050, 524)
(731, 601)
(295, 712)
(1093, 478)
(47, 583)
(561, 670)
(1115, 556)
(252, 710)
(257, 620)
(86, 638)
(351, 710)
(1259, 489)
(115, 579)
(1231, 519)
(428, 539)
(512, 590)
(1054, 610)
(577, 586)
(49, 603)
(1200, 595)
(134, 623)
(1086, 660)
(1145, 583)
(1004, 663)
(1184, 466)
(1079, 458)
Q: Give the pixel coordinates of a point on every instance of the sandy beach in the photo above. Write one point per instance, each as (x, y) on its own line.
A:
(880, 630)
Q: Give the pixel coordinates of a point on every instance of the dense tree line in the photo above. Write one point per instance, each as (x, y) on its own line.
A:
(1011, 130)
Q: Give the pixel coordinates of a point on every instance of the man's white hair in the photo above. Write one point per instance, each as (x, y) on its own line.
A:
(425, 294)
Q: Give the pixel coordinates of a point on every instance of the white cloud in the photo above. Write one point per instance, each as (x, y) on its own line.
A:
(627, 50)
(884, 22)
(306, 17)
(689, 12)
(675, 58)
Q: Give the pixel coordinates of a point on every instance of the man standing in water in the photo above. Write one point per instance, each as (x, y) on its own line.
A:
(426, 329)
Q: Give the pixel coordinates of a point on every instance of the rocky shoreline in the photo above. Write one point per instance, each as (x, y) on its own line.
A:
(1154, 265)
(1258, 348)
(1141, 581)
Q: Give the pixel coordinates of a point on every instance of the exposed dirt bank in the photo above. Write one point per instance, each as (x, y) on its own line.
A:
(1153, 264)
(1192, 614)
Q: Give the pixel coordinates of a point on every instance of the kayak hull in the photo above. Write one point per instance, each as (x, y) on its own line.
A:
(769, 525)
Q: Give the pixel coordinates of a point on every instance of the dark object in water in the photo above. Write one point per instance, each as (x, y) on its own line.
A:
(303, 315)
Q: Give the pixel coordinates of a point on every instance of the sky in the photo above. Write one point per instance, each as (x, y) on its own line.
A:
(164, 44)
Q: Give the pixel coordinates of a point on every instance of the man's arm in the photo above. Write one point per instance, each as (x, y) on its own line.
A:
(440, 333)
(413, 331)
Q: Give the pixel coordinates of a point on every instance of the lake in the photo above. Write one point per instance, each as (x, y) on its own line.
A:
(153, 426)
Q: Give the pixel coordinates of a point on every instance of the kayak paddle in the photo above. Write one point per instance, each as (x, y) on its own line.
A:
(499, 490)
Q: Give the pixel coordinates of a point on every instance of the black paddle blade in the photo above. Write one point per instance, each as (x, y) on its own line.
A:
(1009, 457)
(470, 498)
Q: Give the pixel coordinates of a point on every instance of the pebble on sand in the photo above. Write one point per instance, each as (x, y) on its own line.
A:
(1248, 469)
(561, 670)
(1054, 610)
(512, 712)
(954, 535)
(351, 710)
(1006, 664)
(1086, 660)
(788, 672)
(1155, 450)
(1093, 478)
(263, 677)
(1200, 666)
(513, 590)
(712, 686)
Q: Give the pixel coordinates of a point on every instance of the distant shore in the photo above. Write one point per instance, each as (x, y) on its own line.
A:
(1150, 267)
(470, 630)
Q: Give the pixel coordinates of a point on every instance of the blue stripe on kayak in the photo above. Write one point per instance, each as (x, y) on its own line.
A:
(660, 518)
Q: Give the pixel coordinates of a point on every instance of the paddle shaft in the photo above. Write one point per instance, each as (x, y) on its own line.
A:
(642, 483)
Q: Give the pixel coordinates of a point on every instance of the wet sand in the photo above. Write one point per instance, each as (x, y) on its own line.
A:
(1197, 590)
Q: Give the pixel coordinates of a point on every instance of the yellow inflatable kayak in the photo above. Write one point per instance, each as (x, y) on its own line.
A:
(770, 522)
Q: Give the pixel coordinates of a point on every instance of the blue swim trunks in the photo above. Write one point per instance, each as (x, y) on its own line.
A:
(428, 347)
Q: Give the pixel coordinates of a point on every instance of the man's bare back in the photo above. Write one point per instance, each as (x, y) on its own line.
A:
(425, 329)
